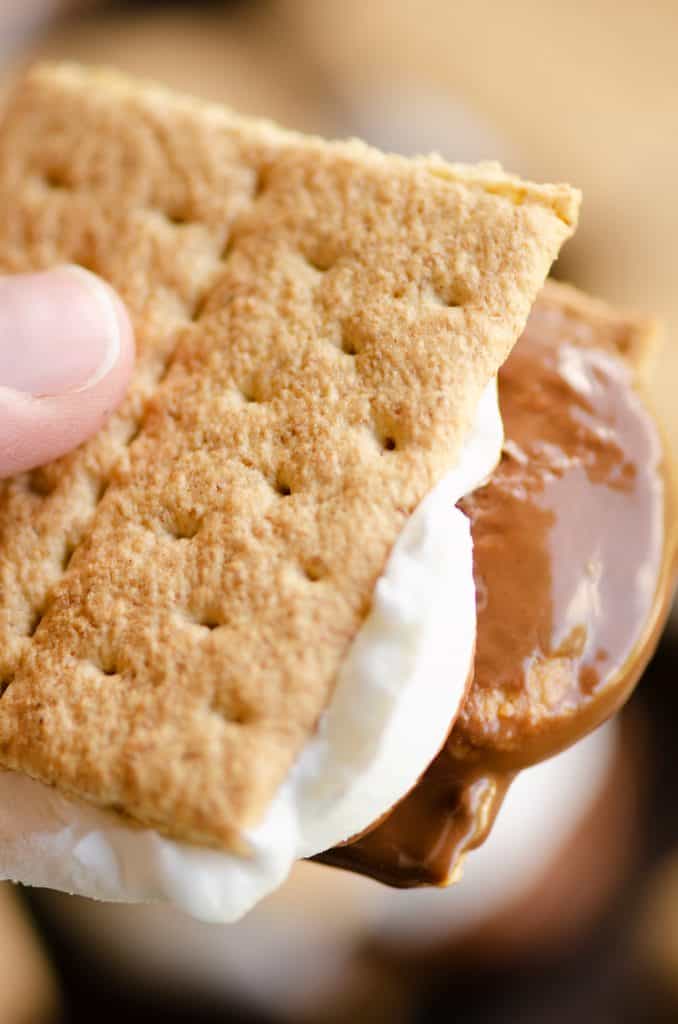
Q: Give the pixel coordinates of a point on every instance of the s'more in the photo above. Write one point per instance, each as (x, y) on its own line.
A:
(240, 623)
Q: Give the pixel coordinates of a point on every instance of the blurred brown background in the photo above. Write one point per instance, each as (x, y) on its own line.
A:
(586, 93)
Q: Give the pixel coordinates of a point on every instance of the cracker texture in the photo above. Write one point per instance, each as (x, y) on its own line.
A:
(315, 323)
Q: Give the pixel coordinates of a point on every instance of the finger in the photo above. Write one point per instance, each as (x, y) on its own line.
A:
(66, 355)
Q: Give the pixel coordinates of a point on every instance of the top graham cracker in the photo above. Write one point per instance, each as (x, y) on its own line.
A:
(315, 324)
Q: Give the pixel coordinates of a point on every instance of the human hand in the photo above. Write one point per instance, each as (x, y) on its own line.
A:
(66, 355)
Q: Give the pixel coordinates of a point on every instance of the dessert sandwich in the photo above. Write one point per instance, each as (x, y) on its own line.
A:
(239, 625)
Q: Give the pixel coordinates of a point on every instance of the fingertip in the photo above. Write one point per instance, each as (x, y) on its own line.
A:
(37, 428)
(111, 382)
(114, 319)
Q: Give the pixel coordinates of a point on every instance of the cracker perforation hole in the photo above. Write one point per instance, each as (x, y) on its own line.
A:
(431, 296)
(320, 262)
(68, 552)
(446, 303)
(208, 621)
(107, 664)
(261, 181)
(200, 306)
(177, 217)
(386, 437)
(34, 622)
(234, 716)
(56, 179)
(134, 432)
(314, 570)
(242, 717)
(5, 684)
(40, 484)
(348, 345)
(282, 487)
(159, 373)
(428, 294)
(99, 488)
(182, 528)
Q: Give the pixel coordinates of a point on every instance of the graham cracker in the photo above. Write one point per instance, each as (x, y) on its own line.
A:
(315, 324)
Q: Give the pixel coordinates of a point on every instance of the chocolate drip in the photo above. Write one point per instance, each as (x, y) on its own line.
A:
(573, 567)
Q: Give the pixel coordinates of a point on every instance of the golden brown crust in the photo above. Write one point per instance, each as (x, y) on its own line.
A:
(315, 325)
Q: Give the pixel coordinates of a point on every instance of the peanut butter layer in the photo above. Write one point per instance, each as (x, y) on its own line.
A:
(315, 323)
(574, 560)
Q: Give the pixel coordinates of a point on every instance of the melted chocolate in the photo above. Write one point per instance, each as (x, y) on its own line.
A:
(572, 572)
